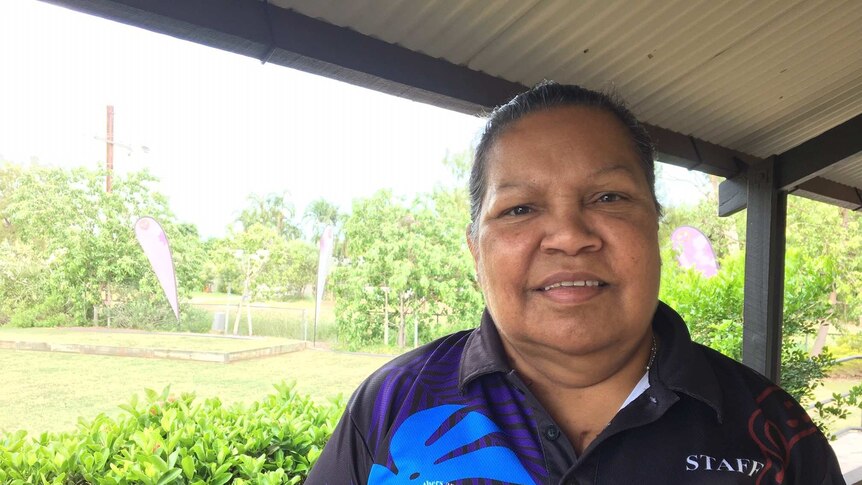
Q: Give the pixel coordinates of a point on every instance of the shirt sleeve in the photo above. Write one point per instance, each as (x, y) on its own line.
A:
(833, 469)
(345, 460)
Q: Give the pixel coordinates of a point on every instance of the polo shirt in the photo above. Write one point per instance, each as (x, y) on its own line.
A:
(455, 412)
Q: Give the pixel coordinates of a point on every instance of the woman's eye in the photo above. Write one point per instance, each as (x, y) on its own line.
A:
(518, 211)
(609, 198)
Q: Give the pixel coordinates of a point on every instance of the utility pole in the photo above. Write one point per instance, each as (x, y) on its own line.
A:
(109, 165)
(109, 162)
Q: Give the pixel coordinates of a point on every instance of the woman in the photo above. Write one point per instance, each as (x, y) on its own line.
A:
(577, 373)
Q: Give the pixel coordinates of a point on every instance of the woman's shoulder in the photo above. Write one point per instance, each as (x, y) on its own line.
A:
(765, 407)
(436, 360)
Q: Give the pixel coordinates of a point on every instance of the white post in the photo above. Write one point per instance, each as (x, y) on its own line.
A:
(248, 316)
(385, 315)
(227, 311)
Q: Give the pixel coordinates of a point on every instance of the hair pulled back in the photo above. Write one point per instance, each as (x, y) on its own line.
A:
(545, 96)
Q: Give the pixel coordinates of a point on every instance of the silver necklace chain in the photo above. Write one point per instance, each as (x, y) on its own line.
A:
(652, 353)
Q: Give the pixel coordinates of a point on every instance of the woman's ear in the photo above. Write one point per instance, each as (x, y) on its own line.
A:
(472, 243)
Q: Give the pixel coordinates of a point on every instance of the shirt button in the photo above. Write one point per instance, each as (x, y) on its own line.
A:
(552, 432)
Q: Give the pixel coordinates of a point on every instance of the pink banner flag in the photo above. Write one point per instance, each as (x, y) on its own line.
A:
(154, 242)
(327, 243)
(694, 250)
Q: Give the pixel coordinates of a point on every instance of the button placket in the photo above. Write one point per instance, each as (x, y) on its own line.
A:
(552, 432)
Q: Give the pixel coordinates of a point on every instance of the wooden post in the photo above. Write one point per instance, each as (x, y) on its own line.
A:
(109, 161)
(764, 271)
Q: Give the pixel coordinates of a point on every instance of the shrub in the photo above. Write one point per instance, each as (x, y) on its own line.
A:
(153, 312)
(168, 440)
(47, 313)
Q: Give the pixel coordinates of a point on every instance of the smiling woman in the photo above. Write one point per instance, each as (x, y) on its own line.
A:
(577, 373)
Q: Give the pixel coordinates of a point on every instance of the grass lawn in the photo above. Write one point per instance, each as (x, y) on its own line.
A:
(47, 391)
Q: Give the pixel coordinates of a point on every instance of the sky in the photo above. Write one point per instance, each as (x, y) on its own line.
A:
(217, 126)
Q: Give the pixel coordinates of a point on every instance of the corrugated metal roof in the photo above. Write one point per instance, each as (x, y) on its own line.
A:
(759, 77)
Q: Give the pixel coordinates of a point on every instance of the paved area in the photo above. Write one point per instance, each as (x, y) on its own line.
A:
(254, 352)
(848, 448)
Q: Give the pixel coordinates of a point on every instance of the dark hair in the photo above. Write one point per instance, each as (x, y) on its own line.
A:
(547, 95)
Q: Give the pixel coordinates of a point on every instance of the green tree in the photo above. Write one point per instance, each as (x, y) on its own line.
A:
(83, 241)
(273, 210)
(319, 214)
(288, 270)
(418, 251)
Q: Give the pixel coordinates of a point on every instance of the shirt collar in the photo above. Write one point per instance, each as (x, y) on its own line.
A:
(483, 353)
(680, 365)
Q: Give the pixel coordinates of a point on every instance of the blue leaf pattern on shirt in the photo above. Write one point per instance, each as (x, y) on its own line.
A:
(418, 462)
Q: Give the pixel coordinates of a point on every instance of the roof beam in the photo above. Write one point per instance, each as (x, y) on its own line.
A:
(834, 193)
(696, 154)
(272, 34)
(733, 195)
(280, 36)
(815, 156)
(798, 171)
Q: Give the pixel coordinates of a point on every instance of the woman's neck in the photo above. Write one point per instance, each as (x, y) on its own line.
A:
(582, 393)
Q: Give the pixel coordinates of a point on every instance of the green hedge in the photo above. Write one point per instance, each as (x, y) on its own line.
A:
(168, 440)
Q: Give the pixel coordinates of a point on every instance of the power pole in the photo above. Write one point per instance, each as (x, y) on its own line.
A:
(109, 163)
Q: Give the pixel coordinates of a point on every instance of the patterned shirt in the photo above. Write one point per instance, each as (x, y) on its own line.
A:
(455, 412)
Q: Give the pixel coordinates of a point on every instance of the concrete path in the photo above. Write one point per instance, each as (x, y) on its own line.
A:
(848, 448)
(265, 349)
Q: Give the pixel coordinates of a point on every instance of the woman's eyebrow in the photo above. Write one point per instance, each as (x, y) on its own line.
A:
(612, 169)
(509, 185)
(513, 185)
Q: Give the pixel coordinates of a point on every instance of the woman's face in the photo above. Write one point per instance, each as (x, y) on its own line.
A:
(566, 248)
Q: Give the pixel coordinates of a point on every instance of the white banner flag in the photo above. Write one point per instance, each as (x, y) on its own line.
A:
(323, 263)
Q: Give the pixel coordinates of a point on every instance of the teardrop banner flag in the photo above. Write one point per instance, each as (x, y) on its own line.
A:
(326, 246)
(694, 250)
(154, 242)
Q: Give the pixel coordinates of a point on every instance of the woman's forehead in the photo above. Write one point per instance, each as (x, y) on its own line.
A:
(565, 124)
(591, 138)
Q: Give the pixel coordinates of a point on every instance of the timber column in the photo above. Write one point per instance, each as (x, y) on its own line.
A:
(766, 222)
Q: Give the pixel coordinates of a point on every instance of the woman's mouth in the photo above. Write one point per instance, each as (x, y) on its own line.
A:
(581, 283)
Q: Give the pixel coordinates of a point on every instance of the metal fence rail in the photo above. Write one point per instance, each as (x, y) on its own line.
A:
(269, 320)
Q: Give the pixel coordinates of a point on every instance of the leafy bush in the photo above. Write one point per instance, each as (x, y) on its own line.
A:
(153, 312)
(713, 310)
(168, 440)
(49, 312)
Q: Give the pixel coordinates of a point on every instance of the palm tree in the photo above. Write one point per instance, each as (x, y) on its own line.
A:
(319, 214)
(274, 210)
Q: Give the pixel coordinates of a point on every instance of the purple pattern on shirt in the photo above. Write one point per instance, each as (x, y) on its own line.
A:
(401, 395)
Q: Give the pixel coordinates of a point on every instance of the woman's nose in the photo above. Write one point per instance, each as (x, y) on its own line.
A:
(570, 233)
